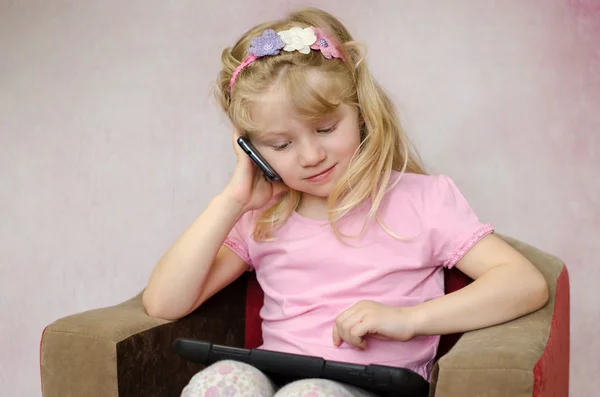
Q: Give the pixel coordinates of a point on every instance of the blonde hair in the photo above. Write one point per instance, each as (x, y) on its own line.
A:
(384, 146)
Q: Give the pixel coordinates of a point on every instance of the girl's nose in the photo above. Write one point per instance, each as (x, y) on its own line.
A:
(312, 153)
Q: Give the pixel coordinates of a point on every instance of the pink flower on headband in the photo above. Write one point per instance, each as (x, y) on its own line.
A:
(325, 45)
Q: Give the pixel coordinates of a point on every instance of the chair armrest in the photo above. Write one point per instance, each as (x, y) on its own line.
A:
(528, 356)
(121, 351)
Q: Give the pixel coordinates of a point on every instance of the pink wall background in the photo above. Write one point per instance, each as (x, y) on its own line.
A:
(110, 145)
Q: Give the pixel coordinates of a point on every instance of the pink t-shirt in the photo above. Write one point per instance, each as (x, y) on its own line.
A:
(309, 277)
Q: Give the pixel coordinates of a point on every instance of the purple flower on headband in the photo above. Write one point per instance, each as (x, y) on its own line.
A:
(269, 43)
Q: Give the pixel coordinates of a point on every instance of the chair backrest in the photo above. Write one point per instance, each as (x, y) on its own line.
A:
(454, 280)
(254, 302)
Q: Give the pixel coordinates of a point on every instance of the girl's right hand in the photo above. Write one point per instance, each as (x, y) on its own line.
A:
(248, 185)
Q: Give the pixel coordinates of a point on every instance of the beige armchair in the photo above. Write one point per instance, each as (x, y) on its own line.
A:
(120, 351)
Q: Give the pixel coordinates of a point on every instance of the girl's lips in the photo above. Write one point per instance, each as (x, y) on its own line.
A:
(322, 175)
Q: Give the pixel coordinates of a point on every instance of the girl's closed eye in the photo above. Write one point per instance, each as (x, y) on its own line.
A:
(281, 146)
(327, 130)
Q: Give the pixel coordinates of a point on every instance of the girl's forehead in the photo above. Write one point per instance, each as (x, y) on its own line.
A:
(277, 113)
(273, 106)
(277, 118)
(280, 108)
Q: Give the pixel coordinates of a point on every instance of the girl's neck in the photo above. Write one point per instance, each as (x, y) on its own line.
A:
(313, 207)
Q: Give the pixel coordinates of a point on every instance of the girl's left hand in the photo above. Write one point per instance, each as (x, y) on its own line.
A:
(369, 318)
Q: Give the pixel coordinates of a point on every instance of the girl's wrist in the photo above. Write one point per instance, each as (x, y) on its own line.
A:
(419, 320)
(230, 203)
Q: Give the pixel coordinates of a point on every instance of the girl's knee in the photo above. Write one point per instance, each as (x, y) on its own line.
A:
(320, 388)
(307, 388)
(229, 368)
(230, 378)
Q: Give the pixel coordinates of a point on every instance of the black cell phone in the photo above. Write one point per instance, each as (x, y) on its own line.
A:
(251, 151)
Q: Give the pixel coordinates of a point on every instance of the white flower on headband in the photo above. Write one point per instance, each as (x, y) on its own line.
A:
(298, 39)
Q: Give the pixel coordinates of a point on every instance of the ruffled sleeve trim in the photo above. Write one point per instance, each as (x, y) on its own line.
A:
(459, 252)
(239, 250)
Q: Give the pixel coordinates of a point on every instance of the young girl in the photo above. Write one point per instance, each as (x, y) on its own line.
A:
(350, 248)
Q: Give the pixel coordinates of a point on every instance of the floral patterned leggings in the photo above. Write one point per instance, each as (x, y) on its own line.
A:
(235, 379)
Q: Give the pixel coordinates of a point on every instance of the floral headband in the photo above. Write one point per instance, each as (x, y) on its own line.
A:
(294, 39)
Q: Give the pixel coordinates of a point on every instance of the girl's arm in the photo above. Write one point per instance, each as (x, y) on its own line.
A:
(197, 265)
(506, 286)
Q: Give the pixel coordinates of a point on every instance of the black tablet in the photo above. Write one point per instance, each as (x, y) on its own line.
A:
(382, 380)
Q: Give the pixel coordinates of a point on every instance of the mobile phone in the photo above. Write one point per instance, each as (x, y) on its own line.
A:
(251, 151)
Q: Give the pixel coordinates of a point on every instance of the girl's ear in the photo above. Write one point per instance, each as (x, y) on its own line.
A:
(362, 128)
